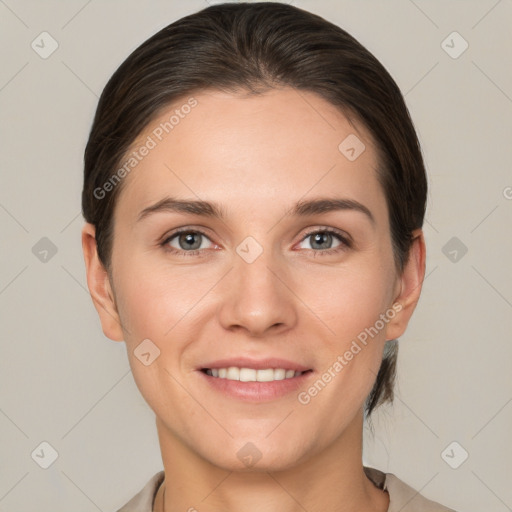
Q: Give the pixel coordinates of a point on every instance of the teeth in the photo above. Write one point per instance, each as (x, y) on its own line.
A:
(279, 374)
(233, 373)
(252, 375)
(247, 375)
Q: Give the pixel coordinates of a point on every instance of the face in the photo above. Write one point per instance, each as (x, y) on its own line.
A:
(287, 272)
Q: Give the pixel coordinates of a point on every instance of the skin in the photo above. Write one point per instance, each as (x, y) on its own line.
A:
(256, 157)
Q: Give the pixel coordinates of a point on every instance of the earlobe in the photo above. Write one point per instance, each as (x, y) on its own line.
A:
(411, 282)
(99, 286)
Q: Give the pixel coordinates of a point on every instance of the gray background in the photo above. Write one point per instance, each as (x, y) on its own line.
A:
(62, 382)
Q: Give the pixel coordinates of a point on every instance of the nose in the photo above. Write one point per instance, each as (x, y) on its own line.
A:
(258, 298)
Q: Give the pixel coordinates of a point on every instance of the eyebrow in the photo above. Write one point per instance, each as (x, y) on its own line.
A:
(213, 210)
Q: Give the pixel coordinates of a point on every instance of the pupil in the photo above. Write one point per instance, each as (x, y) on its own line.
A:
(322, 239)
(188, 239)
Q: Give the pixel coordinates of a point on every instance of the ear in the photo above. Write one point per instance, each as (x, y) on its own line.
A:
(410, 283)
(99, 286)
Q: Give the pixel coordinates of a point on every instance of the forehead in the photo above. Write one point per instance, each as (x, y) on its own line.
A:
(244, 149)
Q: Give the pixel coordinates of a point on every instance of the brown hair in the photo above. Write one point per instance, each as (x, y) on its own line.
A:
(254, 47)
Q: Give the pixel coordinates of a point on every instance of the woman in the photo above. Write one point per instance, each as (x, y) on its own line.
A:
(254, 195)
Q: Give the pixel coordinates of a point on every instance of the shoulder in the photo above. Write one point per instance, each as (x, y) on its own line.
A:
(403, 497)
(143, 501)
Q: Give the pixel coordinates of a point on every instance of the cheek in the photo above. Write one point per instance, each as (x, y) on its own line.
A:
(348, 309)
(156, 300)
(161, 306)
(351, 353)
(346, 301)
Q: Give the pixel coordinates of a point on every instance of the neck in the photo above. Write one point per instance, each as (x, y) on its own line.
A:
(333, 480)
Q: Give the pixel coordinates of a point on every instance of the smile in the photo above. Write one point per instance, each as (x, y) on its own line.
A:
(252, 374)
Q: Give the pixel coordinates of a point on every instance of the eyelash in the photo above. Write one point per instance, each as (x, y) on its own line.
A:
(346, 243)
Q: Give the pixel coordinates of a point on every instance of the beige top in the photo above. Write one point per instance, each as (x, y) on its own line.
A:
(402, 498)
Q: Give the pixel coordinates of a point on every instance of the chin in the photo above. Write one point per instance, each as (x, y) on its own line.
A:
(253, 457)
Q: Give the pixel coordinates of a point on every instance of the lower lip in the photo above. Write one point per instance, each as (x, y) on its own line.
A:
(256, 391)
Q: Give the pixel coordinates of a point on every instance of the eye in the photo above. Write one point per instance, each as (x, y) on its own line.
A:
(186, 242)
(190, 242)
(321, 241)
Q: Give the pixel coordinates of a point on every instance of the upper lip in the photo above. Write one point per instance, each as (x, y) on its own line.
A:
(257, 364)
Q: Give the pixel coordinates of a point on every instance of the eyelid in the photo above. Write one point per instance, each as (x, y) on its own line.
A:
(343, 237)
(184, 229)
(179, 231)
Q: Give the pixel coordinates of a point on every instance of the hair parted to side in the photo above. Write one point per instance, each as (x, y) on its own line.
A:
(254, 47)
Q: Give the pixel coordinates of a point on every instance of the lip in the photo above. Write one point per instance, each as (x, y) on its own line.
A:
(257, 364)
(256, 391)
